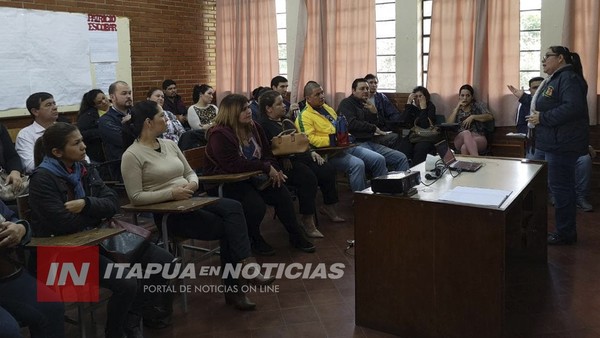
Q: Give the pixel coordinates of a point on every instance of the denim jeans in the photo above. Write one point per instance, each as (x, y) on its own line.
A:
(374, 161)
(583, 176)
(561, 179)
(353, 166)
(18, 296)
(393, 158)
(583, 173)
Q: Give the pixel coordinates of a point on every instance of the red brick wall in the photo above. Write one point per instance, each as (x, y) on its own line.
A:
(169, 38)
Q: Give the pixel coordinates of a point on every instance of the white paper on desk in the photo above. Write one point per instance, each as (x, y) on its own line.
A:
(477, 196)
(516, 135)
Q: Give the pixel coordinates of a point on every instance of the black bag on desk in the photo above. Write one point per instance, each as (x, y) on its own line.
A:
(127, 246)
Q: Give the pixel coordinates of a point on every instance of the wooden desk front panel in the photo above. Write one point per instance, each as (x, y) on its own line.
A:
(420, 271)
(427, 268)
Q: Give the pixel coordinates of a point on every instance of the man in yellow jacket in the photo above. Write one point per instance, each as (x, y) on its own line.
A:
(317, 121)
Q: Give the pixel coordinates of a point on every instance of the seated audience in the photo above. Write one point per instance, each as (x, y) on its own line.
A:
(471, 115)
(305, 171)
(92, 104)
(111, 124)
(419, 111)
(173, 102)
(18, 289)
(389, 116)
(280, 85)
(201, 114)
(69, 196)
(174, 128)
(43, 109)
(254, 102)
(363, 122)
(236, 144)
(155, 170)
(10, 161)
(317, 121)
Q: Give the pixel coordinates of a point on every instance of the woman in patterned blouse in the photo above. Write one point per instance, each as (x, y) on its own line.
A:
(201, 114)
(471, 115)
(174, 128)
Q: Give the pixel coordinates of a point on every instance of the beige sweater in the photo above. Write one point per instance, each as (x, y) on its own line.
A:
(150, 175)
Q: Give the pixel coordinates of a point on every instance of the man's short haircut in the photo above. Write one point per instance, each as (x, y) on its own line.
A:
(370, 77)
(309, 87)
(113, 86)
(534, 79)
(35, 100)
(356, 81)
(166, 83)
(277, 80)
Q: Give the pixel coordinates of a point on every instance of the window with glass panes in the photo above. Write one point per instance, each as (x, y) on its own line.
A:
(426, 7)
(280, 10)
(385, 34)
(530, 40)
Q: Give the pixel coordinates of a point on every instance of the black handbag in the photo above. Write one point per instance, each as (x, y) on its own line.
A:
(127, 246)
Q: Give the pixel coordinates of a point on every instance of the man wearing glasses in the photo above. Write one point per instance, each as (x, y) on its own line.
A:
(524, 108)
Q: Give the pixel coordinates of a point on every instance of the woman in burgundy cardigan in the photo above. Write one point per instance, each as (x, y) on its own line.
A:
(236, 144)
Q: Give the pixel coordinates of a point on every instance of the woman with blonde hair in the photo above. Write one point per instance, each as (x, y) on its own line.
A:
(236, 144)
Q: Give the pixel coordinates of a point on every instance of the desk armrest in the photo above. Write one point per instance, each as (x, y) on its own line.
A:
(182, 206)
(86, 237)
(228, 178)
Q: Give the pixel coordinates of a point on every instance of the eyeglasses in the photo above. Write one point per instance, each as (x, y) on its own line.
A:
(535, 87)
(547, 56)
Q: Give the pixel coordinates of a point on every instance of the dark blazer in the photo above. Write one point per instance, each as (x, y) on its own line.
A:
(361, 122)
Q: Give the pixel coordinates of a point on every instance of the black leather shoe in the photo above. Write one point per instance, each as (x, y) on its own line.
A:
(556, 239)
(302, 244)
(261, 247)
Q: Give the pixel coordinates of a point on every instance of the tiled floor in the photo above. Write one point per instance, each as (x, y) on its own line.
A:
(560, 299)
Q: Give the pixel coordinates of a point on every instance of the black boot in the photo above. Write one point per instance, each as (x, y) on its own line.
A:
(239, 301)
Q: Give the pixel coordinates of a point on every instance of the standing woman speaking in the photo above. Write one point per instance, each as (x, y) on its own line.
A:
(560, 114)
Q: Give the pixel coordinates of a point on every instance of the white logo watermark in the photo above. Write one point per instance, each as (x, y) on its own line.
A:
(246, 271)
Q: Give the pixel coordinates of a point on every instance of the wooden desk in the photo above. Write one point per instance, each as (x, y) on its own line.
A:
(171, 207)
(333, 150)
(86, 237)
(220, 180)
(428, 268)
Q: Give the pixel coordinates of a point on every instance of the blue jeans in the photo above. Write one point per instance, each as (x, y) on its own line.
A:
(18, 296)
(561, 179)
(353, 166)
(374, 161)
(393, 158)
(583, 173)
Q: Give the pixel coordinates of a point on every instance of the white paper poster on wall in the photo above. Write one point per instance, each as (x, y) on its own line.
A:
(102, 34)
(106, 73)
(45, 51)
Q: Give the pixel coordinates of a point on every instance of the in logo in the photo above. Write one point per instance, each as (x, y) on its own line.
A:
(72, 273)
